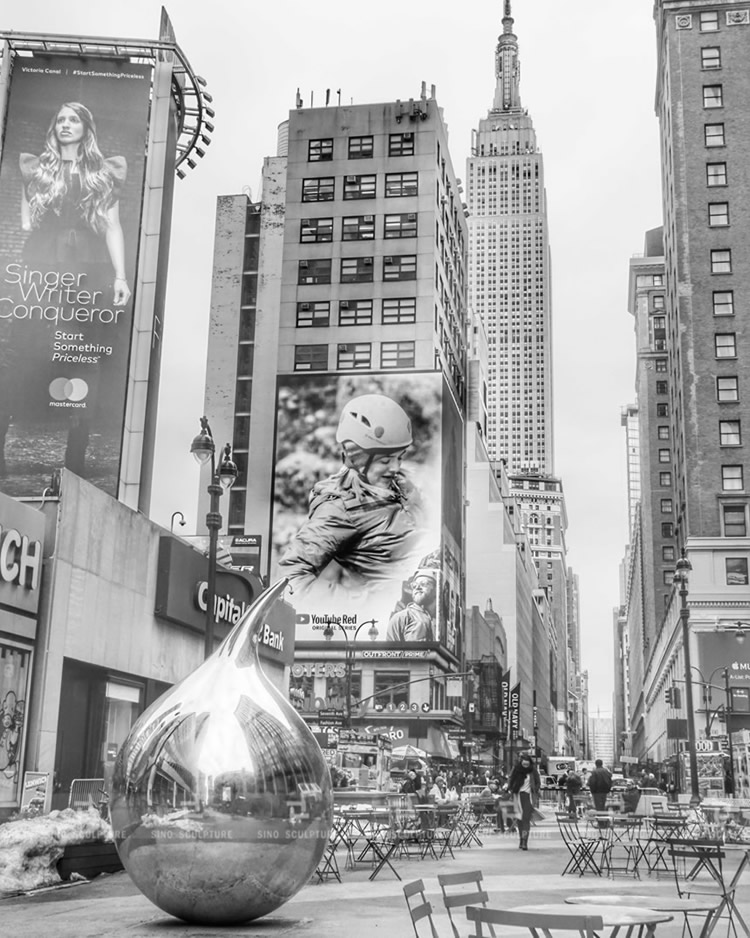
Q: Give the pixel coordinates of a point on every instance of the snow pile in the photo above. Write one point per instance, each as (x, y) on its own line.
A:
(30, 848)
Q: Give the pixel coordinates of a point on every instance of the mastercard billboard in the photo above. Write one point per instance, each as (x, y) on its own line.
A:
(71, 193)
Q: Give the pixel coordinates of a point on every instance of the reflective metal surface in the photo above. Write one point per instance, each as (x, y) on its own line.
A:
(222, 801)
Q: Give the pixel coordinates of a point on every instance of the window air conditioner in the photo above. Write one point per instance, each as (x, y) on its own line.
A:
(304, 265)
(304, 307)
(367, 261)
(343, 348)
(351, 178)
(387, 260)
(306, 222)
(412, 216)
(407, 136)
(344, 304)
(368, 218)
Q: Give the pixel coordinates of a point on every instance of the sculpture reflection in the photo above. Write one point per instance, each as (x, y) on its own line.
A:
(222, 801)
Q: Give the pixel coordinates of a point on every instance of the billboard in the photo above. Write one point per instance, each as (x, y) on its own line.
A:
(71, 189)
(361, 485)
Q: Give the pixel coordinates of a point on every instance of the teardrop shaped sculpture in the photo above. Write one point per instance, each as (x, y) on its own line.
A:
(221, 801)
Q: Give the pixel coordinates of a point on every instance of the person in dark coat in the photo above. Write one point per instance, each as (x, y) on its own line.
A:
(600, 785)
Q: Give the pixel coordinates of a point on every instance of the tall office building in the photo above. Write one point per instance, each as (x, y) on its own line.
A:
(698, 407)
(348, 280)
(509, 269)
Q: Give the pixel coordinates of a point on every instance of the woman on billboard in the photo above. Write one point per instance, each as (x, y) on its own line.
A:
(70, 204)
(364, 521)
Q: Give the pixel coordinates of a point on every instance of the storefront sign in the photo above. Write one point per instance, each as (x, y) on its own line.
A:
(181, 588)
(515, 711)
(21, 547)
(35, 786)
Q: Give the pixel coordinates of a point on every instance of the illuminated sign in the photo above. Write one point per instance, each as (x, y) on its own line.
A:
(21, 555)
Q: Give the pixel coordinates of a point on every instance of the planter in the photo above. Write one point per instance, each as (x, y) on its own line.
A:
(88, 860)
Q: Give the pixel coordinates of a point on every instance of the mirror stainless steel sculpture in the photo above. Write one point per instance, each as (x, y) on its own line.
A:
(222, 803)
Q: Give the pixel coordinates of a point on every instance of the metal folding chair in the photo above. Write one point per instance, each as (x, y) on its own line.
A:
(454, 896)
(583, 850)
(699, 870)
(536, 922)
(420, 908)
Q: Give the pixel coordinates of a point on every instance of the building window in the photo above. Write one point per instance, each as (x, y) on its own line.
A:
(356, 270)
(661, 365)
(730, 433)
(398, 355)
(665, 478)
(727, 389)
(662, 433)
(319, 151)
(319, 189)
(711, 57)
(360, 148)
(721, 262)
(718, 214)
(723, 302)
(716, 174)
(667, 529)
(668, 577)
(403, 225)
(735, 523)
(355, 313)
(709, 22)
(315, 270)
(665, 505)
(391, 689)
(725, 345)
(399, 311)
(310, 357)
(732, 479)
(400, 267)
(661, 387)
(354, 355)
(360, 187)
(736, 571)
(713, 135)
(397, 184)
(713, 96)
(401, 144)
(657, 302)
(662, 410)
(358, 228)
(313, 314)
(313, 230)
(667, 552)
(665, 455)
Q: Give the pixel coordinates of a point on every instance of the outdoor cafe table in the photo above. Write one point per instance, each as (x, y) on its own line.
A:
(613, 916)
(707, 904)
(351, 826)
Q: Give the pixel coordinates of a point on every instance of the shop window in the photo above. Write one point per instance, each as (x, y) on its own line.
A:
(388, 695)
(336, 689)
(15, 664)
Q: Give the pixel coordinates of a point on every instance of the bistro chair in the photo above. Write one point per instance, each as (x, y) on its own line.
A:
(582, 849)
(537, 922)
(418, 906)
(456, 895)
(699, 871)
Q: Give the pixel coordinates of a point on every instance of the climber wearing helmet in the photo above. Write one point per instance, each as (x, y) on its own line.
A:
(362, 520)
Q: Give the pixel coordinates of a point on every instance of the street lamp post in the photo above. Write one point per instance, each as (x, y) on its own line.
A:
(683, 567)
(349, 653)
(222, 479)
(728, 714)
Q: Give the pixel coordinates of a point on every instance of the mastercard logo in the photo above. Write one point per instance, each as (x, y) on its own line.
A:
(68, 389)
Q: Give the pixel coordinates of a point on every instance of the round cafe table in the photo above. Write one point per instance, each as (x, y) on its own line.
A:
(707, 904)
(615, 917)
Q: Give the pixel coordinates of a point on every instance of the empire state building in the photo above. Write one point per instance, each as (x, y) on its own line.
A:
(509, 270)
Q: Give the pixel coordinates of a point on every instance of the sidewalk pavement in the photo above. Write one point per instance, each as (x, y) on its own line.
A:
(112, 906)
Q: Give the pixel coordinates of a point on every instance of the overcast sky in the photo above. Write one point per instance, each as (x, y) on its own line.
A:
(587, 79)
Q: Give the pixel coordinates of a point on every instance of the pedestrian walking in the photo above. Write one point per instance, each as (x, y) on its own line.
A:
(573, 786)
(524, 784)
(600, 785)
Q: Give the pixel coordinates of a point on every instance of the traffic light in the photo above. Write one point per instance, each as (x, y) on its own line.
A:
(668, 696)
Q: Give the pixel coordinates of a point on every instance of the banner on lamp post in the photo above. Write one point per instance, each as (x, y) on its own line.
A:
(515, 711)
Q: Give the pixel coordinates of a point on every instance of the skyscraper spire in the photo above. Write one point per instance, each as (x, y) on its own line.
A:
(507, 66)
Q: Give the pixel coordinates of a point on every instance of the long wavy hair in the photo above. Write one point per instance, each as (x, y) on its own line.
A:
(50, 185)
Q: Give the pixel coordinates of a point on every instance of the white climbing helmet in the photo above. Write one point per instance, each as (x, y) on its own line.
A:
(374, 422)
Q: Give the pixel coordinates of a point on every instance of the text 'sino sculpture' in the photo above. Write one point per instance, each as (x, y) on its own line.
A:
(221, 803)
